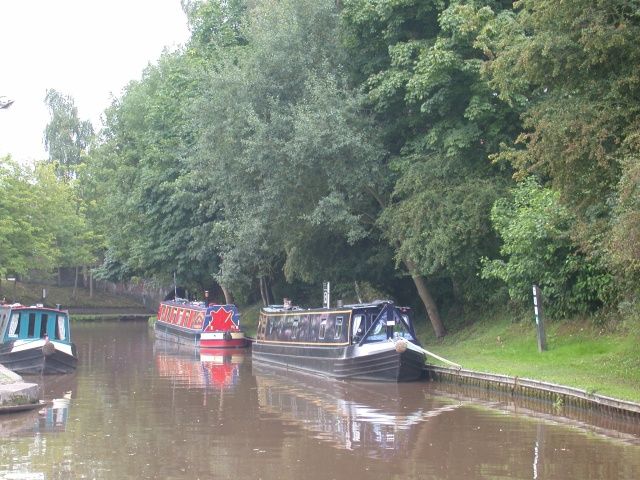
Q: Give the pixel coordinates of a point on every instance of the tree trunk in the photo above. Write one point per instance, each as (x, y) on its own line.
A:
(75, 283)
(90, 283)
(263, 292)
(228, 296)
(427, 299)
(267, 285)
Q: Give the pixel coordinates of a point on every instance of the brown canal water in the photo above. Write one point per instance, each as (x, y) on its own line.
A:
(137, 409)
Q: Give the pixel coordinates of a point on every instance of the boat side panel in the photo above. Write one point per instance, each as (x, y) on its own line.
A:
(34, 360)
(378, 362)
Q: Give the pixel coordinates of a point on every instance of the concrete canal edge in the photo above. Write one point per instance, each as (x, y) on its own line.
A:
(15, 392)
(524, 387)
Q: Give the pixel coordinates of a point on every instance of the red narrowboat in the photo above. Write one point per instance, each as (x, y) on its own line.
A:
(200, 325)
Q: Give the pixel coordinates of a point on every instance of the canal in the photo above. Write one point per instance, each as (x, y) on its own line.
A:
(137, 409)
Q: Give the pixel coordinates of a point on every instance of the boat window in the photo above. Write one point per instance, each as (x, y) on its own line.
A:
(44, 318)
(270, 323)
(314, 321)
(358, 326)
(382, 322)
(199, 320)
(188, 318)
(378, 331)
(32, 325)
(303, 332)
(280, 328)
(400, 329)
(338, 334)
(60, 328)
(14, 324)
(323, 326)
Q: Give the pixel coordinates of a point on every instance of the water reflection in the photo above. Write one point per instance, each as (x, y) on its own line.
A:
(56, 393)
(200, 368)
(147, 411)
(372, 419)
(610, 425)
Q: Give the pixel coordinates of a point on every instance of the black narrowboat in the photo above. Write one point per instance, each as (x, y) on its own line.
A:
(374, 341)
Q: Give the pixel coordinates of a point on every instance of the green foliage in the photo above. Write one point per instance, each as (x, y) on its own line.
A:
(214, 25)
(41, 224)
(287, 152)
(572, 68)
(300, 141)
(21, 239)
(152, 200)
(537, 249)
(442, 121)
(624, 243)
(66, 137)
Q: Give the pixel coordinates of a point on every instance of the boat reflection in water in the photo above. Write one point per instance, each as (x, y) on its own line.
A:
(52, 417)
(374, 419)
(199, 368)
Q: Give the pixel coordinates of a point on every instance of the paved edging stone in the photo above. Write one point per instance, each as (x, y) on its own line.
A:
(15, 391)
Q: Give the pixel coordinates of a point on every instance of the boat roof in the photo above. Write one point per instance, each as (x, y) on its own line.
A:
(37, 306)
(182, 302)
(351, 306)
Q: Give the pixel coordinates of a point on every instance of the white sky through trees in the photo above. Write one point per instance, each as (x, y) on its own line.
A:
(89, 49)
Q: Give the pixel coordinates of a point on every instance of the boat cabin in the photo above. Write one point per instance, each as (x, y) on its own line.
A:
(198, 316)
(18, 322)
(347, 325)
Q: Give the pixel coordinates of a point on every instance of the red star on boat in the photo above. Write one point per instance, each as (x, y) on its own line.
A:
(221, 320)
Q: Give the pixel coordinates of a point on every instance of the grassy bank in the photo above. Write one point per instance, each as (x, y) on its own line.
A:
(597, 359)
(31, 293)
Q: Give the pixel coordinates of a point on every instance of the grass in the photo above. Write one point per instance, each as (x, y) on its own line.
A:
(31, 293)
(249, 319)
(579, 354)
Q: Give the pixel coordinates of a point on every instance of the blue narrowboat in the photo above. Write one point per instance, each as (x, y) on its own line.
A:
(36, 340)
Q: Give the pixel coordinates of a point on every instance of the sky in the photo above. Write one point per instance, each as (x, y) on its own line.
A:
(88, 49)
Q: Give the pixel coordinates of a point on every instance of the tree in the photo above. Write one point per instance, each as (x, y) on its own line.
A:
(537, 249)
(294, 158)
(61, 213)
(420, 64)
(572, 69)
(152, 204)
(66, 137)
(22, 240)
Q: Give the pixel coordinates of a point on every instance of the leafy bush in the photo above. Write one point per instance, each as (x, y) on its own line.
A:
(538, 249)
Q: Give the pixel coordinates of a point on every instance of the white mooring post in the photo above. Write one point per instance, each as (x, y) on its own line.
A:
(537, 309)
(326, 295)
